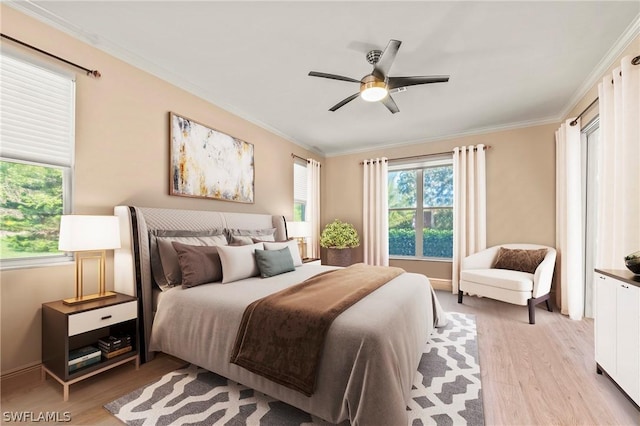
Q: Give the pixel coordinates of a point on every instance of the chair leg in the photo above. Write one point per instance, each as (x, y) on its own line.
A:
(460, 293)
(531, 303)
(532, 313)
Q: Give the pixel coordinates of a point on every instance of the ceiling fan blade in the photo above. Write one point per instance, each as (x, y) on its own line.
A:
(344, 102)
(382, 67)
(395, 82)
(333, 76)
(390, 104)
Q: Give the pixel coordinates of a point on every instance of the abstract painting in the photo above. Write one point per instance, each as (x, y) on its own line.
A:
(206, 163)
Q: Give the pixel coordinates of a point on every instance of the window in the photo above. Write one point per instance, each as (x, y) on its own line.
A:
(299, 190)
(36, 155)
(421, 209)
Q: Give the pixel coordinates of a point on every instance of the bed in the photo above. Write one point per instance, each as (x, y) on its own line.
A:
(371, 351)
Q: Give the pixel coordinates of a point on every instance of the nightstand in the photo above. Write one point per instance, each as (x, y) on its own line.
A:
(66, 328)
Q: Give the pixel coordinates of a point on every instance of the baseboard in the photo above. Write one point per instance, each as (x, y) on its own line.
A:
(22, 371)
(440, 284)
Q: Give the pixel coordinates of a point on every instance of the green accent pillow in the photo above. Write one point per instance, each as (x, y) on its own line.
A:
(274, 262)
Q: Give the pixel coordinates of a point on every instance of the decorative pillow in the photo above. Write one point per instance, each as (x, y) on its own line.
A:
(163, 257)
(199, 264)
(262, 234)
(293, 249)
(274, 262)
(520, 260)
(239, 240)
(238, 262)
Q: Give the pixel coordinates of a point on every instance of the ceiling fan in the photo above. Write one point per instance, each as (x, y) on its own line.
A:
(378, 85)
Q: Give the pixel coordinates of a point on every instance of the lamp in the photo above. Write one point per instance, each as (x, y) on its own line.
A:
(88, 237)
(299, 231)
(372, 89)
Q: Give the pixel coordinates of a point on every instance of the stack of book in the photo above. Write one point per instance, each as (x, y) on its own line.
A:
(113, 346)
(83, 357)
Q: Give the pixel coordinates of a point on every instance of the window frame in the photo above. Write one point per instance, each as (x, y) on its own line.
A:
(418, 210)
(67, 171)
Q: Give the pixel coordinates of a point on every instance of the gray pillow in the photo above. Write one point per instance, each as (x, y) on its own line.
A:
(163, 257)
(261, 234)
(274, 262)
(293, 248)
(239, 240)
(199, 264)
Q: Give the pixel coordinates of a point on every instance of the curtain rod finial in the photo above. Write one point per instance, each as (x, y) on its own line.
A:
(94, 73)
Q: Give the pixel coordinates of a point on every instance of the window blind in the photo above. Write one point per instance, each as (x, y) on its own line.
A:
(37, 113)
(299, 181)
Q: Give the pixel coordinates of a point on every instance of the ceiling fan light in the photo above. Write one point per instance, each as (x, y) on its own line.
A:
(373, 91)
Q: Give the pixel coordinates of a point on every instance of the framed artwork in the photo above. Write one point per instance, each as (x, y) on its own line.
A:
(206, 163)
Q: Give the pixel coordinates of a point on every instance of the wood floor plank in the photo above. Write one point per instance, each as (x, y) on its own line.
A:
(542, 374)
(553, 366)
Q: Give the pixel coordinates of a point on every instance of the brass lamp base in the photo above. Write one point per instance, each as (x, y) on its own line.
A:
(88, 298)
(102, 293)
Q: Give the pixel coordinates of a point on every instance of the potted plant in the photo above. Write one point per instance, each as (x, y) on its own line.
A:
(339, 238)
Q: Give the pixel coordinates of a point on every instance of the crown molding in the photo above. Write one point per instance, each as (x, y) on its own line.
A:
(440, 138)
(627, 37)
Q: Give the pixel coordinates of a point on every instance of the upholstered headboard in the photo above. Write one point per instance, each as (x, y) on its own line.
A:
(132, 266)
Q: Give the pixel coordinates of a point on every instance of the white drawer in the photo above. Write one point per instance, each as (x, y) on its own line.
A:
(103, 317)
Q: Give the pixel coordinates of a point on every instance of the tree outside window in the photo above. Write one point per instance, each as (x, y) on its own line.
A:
(421, 211)
(31, 205)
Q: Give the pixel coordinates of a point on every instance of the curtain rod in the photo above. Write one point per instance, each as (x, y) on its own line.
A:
(306, 160)
(486, 147)
(575, 121)
(93, 73)
(297, 156)
(634, 61)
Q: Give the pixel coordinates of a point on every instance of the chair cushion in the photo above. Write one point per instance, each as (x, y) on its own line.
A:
(501, 278)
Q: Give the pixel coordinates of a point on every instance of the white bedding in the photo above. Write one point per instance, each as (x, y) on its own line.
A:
(370, 356)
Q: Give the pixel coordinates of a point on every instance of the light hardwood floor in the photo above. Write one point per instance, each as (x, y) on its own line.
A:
(542, 374)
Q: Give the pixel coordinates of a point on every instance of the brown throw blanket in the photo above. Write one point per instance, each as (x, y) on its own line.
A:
(281, 336)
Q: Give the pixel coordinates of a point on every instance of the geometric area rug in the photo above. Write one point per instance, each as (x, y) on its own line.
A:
(446, 391)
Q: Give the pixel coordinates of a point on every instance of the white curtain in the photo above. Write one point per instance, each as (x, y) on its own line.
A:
(618, 231)
(569, 227)
(375, 217)
(312, 211)
(469, 205)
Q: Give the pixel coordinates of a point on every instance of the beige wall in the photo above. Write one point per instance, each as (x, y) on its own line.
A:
(520, 188)
(122, 136)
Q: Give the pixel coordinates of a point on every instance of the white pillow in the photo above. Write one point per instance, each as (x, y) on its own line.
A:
(293, 248)
(238, 262)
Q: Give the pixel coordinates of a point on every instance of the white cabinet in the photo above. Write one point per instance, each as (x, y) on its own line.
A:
(617, 329)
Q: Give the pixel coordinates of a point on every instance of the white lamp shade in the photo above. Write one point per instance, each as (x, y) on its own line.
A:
(298, 229)
(83, 233)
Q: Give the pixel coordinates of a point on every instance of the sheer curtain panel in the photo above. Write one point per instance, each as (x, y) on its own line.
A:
(469, 205)
(312, 213)
(618, 231)
(375, 217)
(570, 276)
